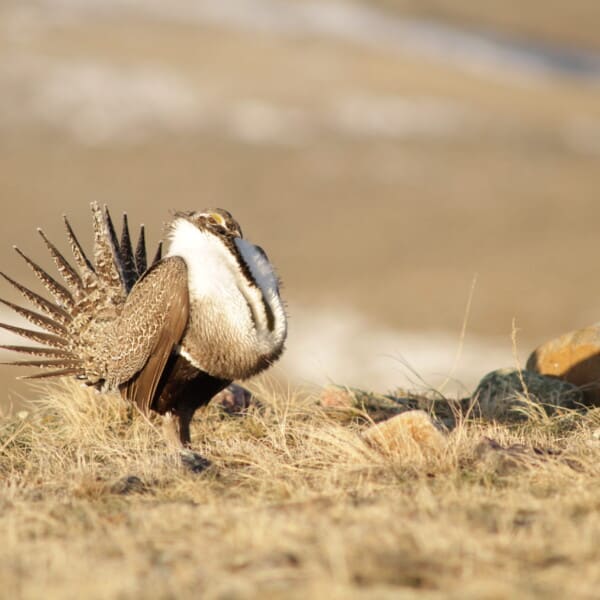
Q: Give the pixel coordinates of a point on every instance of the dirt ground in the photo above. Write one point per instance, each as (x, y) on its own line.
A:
(297, 503)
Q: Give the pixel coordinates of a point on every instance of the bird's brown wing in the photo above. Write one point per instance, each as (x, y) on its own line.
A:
(150, 326)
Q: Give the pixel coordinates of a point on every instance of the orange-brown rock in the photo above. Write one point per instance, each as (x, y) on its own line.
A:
(574, 357)
(338, 398)
(406, 433)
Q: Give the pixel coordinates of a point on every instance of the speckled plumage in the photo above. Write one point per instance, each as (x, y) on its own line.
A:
(168, 337)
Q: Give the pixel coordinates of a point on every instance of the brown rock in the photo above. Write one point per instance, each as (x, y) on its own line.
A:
(338, 398)
(574, 357)
(405, 432)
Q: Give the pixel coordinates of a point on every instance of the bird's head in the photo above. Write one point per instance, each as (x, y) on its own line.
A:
(213, 220)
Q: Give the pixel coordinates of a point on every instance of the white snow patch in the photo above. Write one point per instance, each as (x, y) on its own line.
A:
(258, 122)
(98, 103)
(397, 117)
(342, 346)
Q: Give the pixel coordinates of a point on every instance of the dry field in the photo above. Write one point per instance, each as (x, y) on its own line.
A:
(296, 504)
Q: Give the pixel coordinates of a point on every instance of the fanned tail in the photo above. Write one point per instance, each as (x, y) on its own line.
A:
(130, 271)
(35, 318)
(131, 265)
(57, 314)
(122, 252)
(88, 273)
(40, 351)
(141, 260)
(71, 277)
(158, 255)
(60, 292)
(89, 288)
(107, 267)
(69, 371)
(45, 339)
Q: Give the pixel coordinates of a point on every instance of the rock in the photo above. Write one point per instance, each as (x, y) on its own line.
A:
(504, 460)
(130, 484)
(194, 462)
(403, 432)
(234, 399)
(351, 402)
(500, 394)
(338, 398)
(573, 357)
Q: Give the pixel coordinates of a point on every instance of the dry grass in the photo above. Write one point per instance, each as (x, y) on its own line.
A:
(296, 504)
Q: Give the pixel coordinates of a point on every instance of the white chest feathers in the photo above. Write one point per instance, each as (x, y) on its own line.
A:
(241, 301)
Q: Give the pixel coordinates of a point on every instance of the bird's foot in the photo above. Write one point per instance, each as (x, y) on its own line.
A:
(193, 461)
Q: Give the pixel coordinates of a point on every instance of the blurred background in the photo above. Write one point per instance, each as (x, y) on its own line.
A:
(395, 158)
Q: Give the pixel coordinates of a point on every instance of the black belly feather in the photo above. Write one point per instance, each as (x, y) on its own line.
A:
(184, 388)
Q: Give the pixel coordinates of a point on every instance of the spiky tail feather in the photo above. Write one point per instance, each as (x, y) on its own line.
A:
(109, 279)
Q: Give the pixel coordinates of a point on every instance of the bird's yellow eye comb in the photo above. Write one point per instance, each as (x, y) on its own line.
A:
(217, 218)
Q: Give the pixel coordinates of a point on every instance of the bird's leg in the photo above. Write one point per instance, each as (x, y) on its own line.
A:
(184, 418)
(171, 430)
(177, 430)
(176, 426)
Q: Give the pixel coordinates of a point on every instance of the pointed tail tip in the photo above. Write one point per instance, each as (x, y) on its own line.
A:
(68, 372)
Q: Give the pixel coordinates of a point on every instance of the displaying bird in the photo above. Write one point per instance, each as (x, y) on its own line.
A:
(169, 336)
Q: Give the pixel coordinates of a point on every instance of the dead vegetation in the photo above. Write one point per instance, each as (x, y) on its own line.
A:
(297, 503)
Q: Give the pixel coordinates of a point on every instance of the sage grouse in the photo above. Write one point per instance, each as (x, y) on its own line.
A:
(168, 337)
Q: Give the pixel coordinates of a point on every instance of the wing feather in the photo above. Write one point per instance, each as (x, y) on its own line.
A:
(150, 327)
